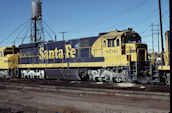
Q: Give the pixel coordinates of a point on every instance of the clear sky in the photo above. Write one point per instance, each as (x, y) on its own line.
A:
(84, 18)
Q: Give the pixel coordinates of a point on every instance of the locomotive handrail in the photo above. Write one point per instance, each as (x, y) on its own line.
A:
(29, 56)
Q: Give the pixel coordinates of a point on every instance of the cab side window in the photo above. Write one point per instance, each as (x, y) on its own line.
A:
(117, 42)
(111, 43)
(0, 54)
(104, 43)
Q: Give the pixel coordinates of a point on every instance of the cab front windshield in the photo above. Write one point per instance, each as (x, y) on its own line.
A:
(131, 39)
(7, 52)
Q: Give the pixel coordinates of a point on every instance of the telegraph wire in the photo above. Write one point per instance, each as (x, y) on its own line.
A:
(41, 26)
(125, 11)
(24, 26)
(26, 32)
(50, 30)
(146, 36)
(108, 19)
(146, 18)
(145, 31)
(48, 33)
(42, 30)
(6, 38)
(48, 27)
(106, 27)
(143, 20)
(163, 17)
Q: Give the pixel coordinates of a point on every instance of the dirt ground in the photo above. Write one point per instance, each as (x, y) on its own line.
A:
(57, 102)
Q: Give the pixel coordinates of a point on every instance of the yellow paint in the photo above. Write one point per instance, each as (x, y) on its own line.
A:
(70, 52)
(61, 55)
(57, 53)
(8, 61)
(166, 54)
(51, 54)
(165, 68)
(68, 47)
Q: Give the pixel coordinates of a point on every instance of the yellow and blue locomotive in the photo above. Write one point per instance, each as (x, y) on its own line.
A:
(117, 56)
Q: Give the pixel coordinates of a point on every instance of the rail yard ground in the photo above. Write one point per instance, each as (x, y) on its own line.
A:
(40, 96)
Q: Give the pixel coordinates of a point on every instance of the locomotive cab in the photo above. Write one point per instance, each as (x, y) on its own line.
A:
(136, 53)
(8, 61)
(123, 53)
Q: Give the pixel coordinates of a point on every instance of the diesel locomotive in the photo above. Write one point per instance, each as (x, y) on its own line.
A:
(116, 56)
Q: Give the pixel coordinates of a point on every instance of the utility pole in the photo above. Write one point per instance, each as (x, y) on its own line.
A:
(152, 39)
(154, 31)
(162, 44)
(63, 34)
(158, 39)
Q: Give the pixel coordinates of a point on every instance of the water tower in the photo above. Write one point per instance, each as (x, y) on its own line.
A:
(36, 22)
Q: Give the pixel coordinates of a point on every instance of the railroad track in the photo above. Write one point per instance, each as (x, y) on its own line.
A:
(97, 85)
(80, 91)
